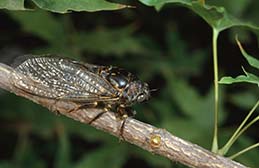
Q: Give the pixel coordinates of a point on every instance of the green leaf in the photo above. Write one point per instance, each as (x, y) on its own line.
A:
(53, 30)
(198, 108)
(179, 125)
(180, 58)
(248, 77)
(152, 160)
(251, 60)
(236, 7)
(64, 6)
(187, 97)
(25, 155)
(12, 4)
(241, 78)
(216, 17)
(6, 164)
(102, 41)
(159, 3)
(41, 24)
(63, 153)
(244, 99)
(88, 133)
(108, 157)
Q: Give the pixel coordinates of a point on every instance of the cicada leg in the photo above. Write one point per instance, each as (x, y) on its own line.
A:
(97, 116)
(51, 107)
(105, 107)
(84, 105)
(124, 113)
(98, 105)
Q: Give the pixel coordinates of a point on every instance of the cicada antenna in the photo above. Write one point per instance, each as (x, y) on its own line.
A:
(153, 90)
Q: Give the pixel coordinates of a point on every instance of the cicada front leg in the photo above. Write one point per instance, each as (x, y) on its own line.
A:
(123, 113)
(84, 105)
(105, 107)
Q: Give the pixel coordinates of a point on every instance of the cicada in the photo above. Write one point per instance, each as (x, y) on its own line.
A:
(87, 84)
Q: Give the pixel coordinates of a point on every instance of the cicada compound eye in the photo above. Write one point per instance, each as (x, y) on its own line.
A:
(141, 97)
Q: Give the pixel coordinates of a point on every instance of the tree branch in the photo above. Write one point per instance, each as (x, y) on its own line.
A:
(156, 140)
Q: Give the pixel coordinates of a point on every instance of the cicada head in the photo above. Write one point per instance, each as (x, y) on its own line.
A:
(136, 92)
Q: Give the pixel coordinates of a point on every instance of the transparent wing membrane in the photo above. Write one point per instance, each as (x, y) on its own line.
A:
(60, 78)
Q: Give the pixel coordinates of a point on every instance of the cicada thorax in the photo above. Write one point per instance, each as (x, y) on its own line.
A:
(120, 79)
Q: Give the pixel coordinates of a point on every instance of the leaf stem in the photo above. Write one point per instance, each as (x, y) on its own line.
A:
(244, 150)
(246, 127)
(216, 90)
(240, 130)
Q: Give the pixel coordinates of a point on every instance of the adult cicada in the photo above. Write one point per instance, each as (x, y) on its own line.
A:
(97, 86)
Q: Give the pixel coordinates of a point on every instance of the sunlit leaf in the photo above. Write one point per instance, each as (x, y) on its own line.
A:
(250, 59)
(158, 4)
(64, 6)
(241, 78)
(12, 4)
(248, 77)
(237, 7)
(216, 17)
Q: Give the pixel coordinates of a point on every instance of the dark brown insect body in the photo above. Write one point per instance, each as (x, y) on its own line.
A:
(64, 79)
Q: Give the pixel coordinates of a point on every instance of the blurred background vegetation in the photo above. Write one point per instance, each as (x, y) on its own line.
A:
(170, 49)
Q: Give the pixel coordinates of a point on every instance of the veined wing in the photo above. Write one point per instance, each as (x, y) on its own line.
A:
(60, 78)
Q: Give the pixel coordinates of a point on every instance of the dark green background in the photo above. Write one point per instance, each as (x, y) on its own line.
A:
(170, 49)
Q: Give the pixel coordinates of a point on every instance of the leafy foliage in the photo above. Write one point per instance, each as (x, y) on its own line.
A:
(216, 17)
(248, 77)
